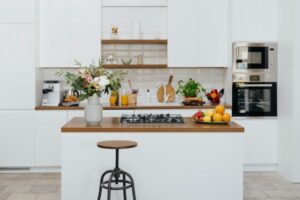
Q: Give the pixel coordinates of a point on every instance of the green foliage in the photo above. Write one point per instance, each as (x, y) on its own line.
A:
(115, 78)
(191, 88)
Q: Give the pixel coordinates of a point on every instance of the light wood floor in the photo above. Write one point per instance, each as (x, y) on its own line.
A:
(257, 186)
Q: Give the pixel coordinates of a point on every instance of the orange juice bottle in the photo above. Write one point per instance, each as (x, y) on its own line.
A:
(113, 100)
(124, 99)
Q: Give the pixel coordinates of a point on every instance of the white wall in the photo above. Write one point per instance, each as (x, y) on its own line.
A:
(288, 106)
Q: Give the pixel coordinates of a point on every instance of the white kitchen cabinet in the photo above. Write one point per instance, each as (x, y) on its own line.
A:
(182, 33)
(260, 141)
(48, 137)
(75, 113)
(254, 20)
(17, 11)
(54, 33)
(212, 33)
(17, 57)
(16, 138)
(198, 33)
(85, 23)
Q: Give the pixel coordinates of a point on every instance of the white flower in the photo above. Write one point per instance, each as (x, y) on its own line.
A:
(96, 79)
(103, 81)
(82, 71)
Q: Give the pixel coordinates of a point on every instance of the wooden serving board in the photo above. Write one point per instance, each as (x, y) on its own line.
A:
(169, 91)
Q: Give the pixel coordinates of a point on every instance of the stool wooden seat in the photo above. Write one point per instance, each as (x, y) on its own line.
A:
(117, 144)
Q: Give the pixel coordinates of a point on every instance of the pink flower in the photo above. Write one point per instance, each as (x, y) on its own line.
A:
(88, 78)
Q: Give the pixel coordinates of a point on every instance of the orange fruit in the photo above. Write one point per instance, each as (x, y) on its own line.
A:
(226, 117)
(217, 117)
(220, 109)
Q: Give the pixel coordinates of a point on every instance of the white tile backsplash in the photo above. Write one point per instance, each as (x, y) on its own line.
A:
(144, 79)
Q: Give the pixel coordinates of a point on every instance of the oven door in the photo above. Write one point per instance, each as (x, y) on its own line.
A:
(254, 99)
(252, 58)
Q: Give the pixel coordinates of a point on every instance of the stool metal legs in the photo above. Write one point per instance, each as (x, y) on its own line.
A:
(116, 176)
(124, 185)
(101, 182)
(132, 184)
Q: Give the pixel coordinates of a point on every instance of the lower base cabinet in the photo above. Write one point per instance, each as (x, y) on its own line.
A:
(17, 139)
(48, 137)
(260, 141)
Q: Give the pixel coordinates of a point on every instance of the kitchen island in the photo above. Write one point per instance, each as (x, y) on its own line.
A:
(171, 162)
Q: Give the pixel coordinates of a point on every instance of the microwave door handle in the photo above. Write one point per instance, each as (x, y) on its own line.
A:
(255, 85)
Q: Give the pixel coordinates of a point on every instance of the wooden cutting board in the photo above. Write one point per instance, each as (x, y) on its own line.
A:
(168, 89)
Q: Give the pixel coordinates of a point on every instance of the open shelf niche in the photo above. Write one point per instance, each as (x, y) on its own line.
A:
(142, 34)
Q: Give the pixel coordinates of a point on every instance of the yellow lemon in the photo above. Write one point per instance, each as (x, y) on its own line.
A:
(209, 113)
(207, 119)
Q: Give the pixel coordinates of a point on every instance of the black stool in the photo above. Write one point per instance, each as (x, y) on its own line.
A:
(115, 174)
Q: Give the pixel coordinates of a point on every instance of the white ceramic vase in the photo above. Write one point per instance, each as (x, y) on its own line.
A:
(93, 111)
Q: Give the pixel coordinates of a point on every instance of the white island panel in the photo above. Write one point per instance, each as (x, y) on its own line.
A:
(165, 166)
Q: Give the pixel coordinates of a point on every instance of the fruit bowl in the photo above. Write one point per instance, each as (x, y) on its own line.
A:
(212, 116)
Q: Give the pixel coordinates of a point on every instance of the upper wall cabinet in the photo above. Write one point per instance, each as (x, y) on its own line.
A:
(17, 56)
(212, 33)
(182, 33)
(134, 2)
(85, 23)
(54, 33)
(17, 11)
(254, 20)
(197, 33)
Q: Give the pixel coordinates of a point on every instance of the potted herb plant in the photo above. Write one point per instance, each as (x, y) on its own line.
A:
(190, 88)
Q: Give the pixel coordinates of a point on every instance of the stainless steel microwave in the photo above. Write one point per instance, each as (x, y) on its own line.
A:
(254, 62)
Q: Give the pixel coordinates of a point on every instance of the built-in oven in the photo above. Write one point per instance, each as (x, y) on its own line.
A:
(254, 99)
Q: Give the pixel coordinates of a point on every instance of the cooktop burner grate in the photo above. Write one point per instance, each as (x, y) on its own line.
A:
(151, 118)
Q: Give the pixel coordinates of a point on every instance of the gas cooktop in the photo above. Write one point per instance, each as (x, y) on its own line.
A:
(152, 118)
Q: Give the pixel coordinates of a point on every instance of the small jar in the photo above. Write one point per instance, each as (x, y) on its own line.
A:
(132, 98)
(114, 33)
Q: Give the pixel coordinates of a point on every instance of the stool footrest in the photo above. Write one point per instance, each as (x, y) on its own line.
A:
(105, 185)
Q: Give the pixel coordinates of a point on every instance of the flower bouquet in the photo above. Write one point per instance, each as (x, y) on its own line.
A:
(92, 81)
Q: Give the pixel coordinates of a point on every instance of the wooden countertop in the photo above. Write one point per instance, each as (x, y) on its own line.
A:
(132, 107)
(112, 124)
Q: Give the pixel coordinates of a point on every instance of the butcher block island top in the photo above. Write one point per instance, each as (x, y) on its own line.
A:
(112, 124)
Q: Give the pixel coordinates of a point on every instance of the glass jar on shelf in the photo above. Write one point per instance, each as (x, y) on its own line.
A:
(114, 33)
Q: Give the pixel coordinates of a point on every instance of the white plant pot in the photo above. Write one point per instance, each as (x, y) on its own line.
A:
(93, 111)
